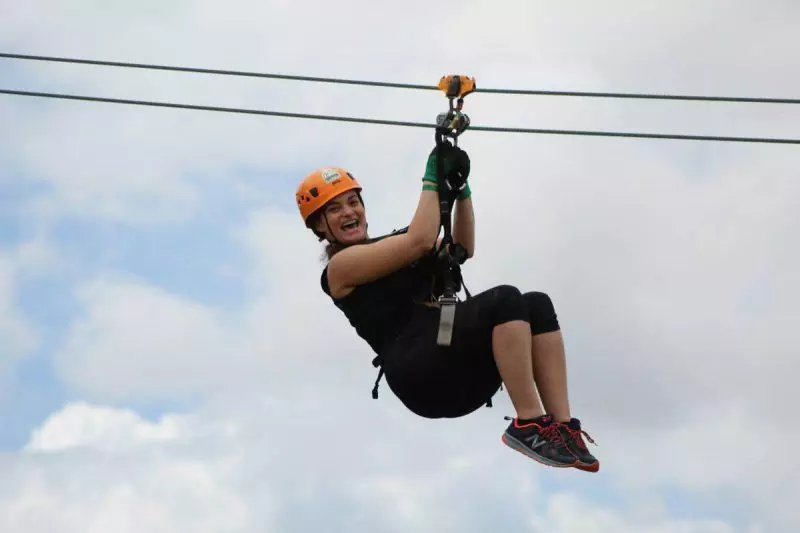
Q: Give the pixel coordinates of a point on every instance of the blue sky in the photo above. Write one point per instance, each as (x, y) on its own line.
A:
(199, 258)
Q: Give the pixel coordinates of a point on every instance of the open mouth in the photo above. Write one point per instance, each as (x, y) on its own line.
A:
(350, 227)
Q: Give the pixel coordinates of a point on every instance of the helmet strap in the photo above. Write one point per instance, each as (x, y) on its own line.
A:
(332, 240)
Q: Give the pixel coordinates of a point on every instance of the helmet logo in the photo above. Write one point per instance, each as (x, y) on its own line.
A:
(330, 175)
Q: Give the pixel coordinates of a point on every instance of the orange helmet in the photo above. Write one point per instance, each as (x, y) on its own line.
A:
(322, 185)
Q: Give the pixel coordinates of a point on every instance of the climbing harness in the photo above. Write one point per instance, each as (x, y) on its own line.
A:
(451, 256)
(446, 260)
(451, 123)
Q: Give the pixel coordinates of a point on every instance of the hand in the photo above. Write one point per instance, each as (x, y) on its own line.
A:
(456, 170)
(457, 177)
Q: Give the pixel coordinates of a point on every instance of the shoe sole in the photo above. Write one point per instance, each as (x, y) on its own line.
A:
(594, 467)
(516, 445)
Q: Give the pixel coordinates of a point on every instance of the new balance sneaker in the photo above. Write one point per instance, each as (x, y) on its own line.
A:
(573, 436)
(541, 440)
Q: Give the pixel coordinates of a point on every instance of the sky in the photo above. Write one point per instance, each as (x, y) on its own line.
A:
(168, 361)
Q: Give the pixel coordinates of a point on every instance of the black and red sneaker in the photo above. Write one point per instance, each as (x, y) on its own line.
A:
(541, 440)
(573, 436)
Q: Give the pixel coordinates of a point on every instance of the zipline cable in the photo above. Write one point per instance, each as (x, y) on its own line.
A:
(403, 85)
(395, 122)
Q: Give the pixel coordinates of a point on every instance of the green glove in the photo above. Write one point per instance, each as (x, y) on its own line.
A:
(452, 159)
(429, 181)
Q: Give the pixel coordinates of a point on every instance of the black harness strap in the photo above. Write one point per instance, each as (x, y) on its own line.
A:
(378, 363)
(449, 256)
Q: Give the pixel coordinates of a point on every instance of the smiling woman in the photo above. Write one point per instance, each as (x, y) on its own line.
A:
(384, 286)
(332, 206)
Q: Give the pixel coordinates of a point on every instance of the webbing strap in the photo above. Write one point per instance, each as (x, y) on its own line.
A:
(447, 320)
(447, 301)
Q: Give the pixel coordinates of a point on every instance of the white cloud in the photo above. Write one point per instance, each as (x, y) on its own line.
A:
(103, 428)
(139, 340)
(111, 484)
(225, 469)
(713, 451)
(142, 165)
(567, 513)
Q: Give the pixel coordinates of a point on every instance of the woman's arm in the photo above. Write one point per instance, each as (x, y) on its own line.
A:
(363, 263)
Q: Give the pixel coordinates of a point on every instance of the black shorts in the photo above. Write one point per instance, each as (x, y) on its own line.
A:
(451, 381)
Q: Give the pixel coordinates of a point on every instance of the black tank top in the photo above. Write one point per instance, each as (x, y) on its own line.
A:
(380, 310)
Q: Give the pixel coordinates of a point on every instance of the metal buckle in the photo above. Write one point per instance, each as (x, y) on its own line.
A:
(452, 124)
(446, 320)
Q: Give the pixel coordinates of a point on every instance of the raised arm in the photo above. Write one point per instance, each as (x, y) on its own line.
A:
(463, 229)
(362, 263)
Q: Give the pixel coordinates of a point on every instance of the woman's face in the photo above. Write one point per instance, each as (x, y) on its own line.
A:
(346, 219)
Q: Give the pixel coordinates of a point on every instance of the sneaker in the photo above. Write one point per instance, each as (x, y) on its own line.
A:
(541, 440)
(573, 435)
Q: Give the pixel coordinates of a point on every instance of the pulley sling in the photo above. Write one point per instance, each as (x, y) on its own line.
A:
(449, 256)
(451, 123)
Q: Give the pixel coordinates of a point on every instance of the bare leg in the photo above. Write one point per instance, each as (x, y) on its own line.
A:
(550, 373)
(511, 343)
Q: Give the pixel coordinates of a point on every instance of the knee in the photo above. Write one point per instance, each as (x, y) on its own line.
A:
(509, 305)
(541, 312)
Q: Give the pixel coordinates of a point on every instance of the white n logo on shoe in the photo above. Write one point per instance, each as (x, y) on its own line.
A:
(535, 441)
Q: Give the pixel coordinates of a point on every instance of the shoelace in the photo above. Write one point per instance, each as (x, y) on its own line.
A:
(552, 434)
(575, 434)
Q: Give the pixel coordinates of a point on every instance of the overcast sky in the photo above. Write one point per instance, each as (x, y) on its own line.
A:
(168, 362)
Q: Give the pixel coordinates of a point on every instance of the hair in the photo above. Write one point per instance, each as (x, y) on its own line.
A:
(331, 248)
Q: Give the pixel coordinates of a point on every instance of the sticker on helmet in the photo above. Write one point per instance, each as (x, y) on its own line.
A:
(330, 175)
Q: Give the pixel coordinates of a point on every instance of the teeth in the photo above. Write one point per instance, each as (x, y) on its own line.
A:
(350, 225)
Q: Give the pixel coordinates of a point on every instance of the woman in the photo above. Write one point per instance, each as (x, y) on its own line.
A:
(500, 337)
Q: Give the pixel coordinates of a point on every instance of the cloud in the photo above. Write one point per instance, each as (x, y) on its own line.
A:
(704, 456)
(91, 468)
(567, 513)
(141, 166)
(140, 340)
(664, 278)
(83, 425)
